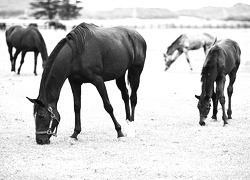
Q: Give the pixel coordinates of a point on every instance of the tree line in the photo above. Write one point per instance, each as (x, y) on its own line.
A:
(49, 9)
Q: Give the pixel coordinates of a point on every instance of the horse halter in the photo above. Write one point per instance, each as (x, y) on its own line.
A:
(52, 118)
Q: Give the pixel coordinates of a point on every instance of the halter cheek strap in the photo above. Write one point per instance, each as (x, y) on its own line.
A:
(49, 131)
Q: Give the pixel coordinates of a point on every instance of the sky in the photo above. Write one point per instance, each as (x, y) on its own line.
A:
(172, 5)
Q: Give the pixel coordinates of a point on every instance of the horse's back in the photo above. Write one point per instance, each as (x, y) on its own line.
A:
(228, 54)
(115, 49)
(23, 38)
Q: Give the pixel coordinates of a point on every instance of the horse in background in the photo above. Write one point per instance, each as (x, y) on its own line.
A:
(56, 25)
(3, 26)
(90, 54)
(185, 43)
(222, 59)
(25, 40)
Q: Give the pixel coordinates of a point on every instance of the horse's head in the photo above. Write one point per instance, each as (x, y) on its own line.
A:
(46, 121)
(168, 58)
(204, 105)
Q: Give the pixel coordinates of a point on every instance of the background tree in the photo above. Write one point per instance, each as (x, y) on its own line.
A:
(45, 8)
(69, 9)
(66, 9)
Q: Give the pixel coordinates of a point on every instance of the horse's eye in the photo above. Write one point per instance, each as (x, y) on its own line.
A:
(40, 116)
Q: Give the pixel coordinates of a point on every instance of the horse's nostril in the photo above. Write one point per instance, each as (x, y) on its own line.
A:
(39, 141)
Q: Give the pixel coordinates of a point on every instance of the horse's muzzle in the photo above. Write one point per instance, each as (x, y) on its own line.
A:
(202, 121)
(42, 140)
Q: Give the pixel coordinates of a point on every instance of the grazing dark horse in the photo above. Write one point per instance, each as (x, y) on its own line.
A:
(184, 43)
(222, 59)
(25, 40)
(89, 54)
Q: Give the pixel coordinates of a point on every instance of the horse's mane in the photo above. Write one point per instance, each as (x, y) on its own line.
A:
(42, 44)
(210, 62)
(78, 35)
(173, 43)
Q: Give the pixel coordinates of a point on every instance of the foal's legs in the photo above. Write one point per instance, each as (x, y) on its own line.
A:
(220, 93)
(215, 105)
(188, 59)
(121, 84)
(232, 77)
(21, 62)
(99, 84)
(76, 89)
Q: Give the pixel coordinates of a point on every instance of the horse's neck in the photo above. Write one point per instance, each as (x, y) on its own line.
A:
(173, 48)
(52, 84)
(208, 82)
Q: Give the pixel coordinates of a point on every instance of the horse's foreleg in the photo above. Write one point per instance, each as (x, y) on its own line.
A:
(13, 63)
(99, 84)
(21, 62)
(10, 48)
(76, 89)
(215, 105)
(220, 94)
(35, 61)
(188, 59)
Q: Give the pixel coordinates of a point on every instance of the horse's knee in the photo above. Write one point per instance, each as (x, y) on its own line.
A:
(230, 90)
(108, 108)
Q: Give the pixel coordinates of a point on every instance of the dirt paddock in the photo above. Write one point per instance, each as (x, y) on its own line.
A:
(169, 142)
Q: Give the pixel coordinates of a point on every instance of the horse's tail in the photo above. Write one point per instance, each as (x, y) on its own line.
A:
(215, 40)
(41, 45)
(139, 54)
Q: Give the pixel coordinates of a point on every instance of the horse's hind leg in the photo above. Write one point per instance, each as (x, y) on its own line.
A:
(121, 84)
(220, 94)
(134, 80)
(10, 48)
(99, 84)
(21, 62)
(232, 77)
(13, 63)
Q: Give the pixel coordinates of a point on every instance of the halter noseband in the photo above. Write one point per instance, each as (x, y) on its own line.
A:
(52, 118)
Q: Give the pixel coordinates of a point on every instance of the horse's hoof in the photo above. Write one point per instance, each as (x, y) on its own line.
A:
(129, 129)
(72, 141)
(202, 123)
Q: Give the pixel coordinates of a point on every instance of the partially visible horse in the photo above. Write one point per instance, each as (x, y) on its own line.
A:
(25, 40)
(186, 42)
(3, 26)
(34, 25)
(56, 25)
(222, 59)
(89, 54)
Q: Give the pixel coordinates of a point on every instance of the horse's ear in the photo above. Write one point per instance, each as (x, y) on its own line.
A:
(164, 55)
(198, 97)
(36, 101)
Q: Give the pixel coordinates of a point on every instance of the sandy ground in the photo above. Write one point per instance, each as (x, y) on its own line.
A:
(169, 142)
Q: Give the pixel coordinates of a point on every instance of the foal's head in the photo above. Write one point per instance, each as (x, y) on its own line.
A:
(168, 57)
(46, 121)
(204, 105)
